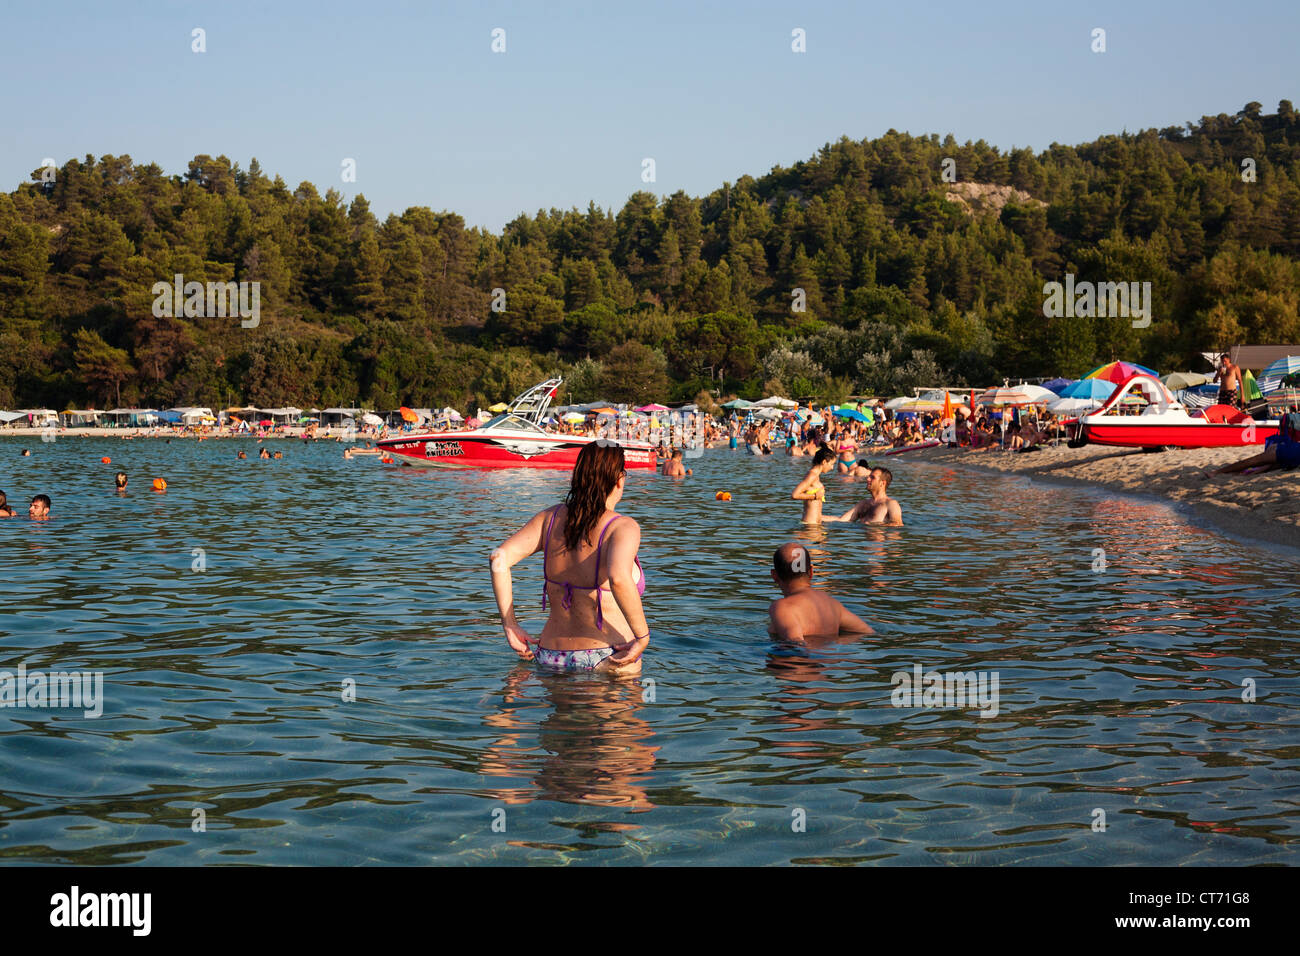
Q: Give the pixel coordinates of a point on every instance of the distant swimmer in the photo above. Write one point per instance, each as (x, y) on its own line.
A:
(264, 454)
(5, 510)
(803, 611)
(879, 508)
(27, 453)
(811, 491)
(120, 480)
(278, 454)
(39, 509)
(241, 455)
(673, 467)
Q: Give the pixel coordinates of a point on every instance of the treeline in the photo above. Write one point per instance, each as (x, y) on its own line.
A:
(861, 269)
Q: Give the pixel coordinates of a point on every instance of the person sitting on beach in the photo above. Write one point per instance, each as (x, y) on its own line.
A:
(39, 509)
(593, 580)
(1280, 451)
(119, 480)
(5, 510)
(802, 611)
(879, 508)
(811, 491)
(673, 467)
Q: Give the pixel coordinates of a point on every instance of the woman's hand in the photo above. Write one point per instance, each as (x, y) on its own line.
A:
(519, 639)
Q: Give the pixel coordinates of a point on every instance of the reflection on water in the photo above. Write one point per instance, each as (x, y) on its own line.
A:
(1123, 687)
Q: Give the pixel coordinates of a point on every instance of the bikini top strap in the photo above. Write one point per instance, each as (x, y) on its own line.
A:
(546, 545)
(600, 542)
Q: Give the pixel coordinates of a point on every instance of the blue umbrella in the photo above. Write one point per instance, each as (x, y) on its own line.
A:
(1056, 384)
(852, 413)
(1094, 388)
(1271, 378)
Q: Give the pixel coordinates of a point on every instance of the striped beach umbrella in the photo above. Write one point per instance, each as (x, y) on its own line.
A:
(1271, 378)
(1118, 372)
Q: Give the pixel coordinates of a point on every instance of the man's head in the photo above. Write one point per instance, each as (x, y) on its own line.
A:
(677, 454)
(1225, 360)
(791, 564)
(120, 478)
(880, 477)
(40, 506)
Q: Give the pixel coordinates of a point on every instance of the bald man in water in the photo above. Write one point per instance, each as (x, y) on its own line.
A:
(802, 611)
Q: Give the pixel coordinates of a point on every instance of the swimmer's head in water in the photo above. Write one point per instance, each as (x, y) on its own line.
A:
(885, 475)
(597, 472)
(120, 479)
(792, 561)
(39, 507)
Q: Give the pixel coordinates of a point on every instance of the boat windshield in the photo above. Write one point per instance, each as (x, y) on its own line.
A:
(512, 422)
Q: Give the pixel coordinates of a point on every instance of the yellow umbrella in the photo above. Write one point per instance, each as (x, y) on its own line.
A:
(498, 407)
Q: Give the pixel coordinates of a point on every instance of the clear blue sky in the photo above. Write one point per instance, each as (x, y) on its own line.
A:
(585, 91)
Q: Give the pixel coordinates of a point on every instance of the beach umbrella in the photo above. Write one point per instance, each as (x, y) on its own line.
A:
(1072, 406)
(1177, 381)
(1119, 371)
(1056, 384)
(850, 413)
(498, 407)
(1271, 378)
(408, 415)
(737, 403)
(894, 403)
(775, 401)
(653, 408)
(1013, 395)
(575, 418)
(370, 418)
(1092, 388)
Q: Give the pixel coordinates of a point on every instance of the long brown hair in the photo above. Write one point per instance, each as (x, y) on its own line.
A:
(594, 476)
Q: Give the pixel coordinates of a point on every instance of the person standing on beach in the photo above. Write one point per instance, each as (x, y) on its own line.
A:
(1228, 376)
(879, 508)
(802, 611)
(811, 491)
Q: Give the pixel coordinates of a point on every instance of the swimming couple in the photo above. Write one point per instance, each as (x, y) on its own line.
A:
(593, 581)
(878, 509)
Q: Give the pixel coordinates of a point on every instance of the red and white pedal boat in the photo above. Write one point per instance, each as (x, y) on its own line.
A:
(513, 439)
(1165, 422)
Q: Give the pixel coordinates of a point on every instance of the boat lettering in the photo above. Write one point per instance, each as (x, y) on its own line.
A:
(443, 449)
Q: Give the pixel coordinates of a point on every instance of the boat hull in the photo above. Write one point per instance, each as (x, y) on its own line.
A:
(1199, 435)
(498, 449)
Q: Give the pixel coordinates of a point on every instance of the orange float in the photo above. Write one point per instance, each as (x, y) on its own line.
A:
(723, 496)
(159, 484)
(107, 461)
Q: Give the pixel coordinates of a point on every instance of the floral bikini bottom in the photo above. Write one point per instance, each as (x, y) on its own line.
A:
(571, 660)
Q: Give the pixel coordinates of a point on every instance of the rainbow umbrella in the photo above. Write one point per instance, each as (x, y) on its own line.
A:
(1118, 372)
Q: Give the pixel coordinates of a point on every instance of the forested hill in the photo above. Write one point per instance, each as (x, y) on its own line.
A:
(907, 277)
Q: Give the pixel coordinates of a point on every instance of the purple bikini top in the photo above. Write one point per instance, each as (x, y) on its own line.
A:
(568, 587)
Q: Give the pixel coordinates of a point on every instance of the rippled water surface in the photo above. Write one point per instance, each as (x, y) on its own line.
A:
(1121, 691)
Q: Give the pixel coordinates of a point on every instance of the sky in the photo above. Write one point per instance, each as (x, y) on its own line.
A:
(584, 93)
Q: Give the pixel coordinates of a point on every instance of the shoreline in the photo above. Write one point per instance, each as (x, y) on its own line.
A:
(1264, 507)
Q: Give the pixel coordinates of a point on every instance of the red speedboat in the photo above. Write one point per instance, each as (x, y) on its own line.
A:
(1165, 423)
(513, 439)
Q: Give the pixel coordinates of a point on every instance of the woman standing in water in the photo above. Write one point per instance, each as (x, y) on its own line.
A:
(811, 491)
(593, 579)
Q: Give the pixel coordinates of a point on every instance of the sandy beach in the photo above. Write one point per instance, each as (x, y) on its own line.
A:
(1264, 506)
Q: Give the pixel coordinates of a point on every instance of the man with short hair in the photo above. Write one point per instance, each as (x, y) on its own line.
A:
(39, 509)
(1230, 388)
(803, 611)
(673, 467)
(879, 508)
